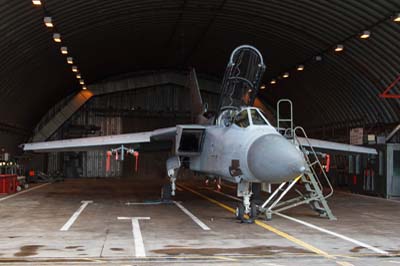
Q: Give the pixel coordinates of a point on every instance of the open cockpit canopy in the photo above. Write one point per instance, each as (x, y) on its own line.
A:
(242, 78)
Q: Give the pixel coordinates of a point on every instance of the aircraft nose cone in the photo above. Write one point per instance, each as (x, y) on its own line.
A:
(272, 158)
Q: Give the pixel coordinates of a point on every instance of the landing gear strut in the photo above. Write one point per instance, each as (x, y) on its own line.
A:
(246, 212)
(168, 190)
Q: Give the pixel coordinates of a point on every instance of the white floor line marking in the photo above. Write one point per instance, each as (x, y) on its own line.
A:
(393, 261)
(71, 220)
(23, 191)
(359, 243)
(377, 250)
(137, 234)
(191, 215)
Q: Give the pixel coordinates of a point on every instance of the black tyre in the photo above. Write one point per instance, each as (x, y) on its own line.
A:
(239, 212)
(253, 211)
(166, 192)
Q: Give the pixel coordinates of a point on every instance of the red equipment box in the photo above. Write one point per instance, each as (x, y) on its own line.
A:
(8, 184)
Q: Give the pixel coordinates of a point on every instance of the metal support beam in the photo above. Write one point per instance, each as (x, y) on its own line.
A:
(61, 116)
(394, 131)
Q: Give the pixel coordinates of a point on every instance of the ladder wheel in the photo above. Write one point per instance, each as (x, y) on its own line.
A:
(268, 216)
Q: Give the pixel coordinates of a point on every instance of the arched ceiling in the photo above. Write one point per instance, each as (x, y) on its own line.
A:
(108, 38)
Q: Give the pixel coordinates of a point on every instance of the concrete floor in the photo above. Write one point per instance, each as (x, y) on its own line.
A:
(30, 226)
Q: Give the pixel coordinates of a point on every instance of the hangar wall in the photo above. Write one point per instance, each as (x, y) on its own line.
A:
(123, 112)
(10, 141)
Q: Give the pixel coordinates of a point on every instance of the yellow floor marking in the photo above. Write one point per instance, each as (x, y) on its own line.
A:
(272, 229)
(293, 239)
(225, 258)
(344, 263)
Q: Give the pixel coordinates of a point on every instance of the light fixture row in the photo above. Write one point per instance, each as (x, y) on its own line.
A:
(64, 50)
(338, 48)
(49, 23)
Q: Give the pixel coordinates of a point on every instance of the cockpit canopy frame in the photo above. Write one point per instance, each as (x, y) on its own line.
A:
(243, 117)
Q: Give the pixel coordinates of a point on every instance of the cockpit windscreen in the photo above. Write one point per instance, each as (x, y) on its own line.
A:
(256, 118)
(242, 119)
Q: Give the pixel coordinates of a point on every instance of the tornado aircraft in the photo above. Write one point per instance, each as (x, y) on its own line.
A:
(237, 144)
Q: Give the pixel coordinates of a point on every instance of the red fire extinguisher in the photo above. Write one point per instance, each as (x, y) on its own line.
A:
(108, 161)
(136, 155)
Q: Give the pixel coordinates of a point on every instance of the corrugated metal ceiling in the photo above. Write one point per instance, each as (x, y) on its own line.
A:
(108, 38)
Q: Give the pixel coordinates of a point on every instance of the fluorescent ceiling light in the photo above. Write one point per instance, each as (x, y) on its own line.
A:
(339, 48)
(82, 82)
(64, 50)
(262, 87)
(300, 67)
(397, 18)
(78, 76)
(286, 75)
(48, 22)
(74, 69)
(365, 35)
(57, 37)
(70, 60)
(273, 81)
(37, 2)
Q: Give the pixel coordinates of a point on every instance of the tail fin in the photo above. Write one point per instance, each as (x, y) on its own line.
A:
(197, 107)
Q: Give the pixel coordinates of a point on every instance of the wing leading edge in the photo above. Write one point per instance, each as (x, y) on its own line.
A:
(335, 146)
(82, 144)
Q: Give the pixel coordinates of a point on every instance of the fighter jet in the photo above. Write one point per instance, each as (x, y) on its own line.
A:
(237, 144)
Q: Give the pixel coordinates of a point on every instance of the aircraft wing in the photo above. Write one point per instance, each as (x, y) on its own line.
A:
(82, 144)
(335, 146)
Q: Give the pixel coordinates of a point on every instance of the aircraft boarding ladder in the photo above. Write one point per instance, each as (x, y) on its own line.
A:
(313, 192)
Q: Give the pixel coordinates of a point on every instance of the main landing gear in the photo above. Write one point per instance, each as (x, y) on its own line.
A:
(168, 190)
(247, 211)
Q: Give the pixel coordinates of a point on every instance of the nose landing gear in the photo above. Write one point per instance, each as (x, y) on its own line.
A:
(246, 211)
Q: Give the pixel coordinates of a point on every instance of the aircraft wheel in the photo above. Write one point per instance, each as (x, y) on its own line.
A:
(240, 212)
(166, 192)
(253, 211)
